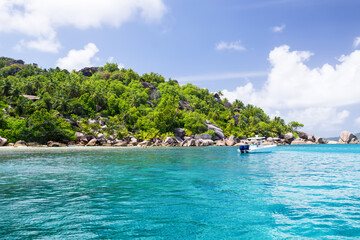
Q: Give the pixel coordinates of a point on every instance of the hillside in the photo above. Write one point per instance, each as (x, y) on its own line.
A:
(51, 104)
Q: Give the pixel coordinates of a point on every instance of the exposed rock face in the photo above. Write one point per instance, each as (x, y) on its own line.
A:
(89, 71)
(204, 136)
(169, 140)
(2, 141)
(289, 137)
(311, 137)
(219, 134)
(189, 142)
(302, 135)
(12, 61)
(121, 144)
(220, 143)
(20, 143)
(185, 105)
(208, 142)
(79, 135)
(232, 138)
(332, 142)
(216, 97)
(180, 132)
(92, 142)
(347, 137)
(151, 88)
(320, 140)
(229, 142)
(55, 144)
(178, 139)
(145, 143)
(227, 105)
(236, 117)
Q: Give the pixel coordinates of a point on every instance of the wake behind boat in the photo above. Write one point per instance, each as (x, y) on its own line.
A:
(256, 146)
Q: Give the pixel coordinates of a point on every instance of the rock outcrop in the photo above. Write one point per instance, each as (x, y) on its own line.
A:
(180, 132)
(55, 144)
(347, 137)
(3, 141)
(204, 136)
(20, 143)
(89, 71)
(219, 134)
(289, 137)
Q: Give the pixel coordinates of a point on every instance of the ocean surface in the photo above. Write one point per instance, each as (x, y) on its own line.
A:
(293, 192)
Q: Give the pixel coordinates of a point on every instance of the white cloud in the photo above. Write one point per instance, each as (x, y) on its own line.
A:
(237, 46)
(43, 45)
(277, 29)
(357, 120)
(220, 76)
(78, 59)
(356, 42)
(319, 118)
(311, 94)
(40, 19)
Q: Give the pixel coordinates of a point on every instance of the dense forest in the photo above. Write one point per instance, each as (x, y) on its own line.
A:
(52, 104)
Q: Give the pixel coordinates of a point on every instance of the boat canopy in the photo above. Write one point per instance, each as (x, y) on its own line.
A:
(257, 138)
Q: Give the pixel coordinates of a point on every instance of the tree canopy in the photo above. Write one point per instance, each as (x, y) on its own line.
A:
(145, 106)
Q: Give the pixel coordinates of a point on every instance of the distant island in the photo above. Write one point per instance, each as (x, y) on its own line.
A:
(111, 106)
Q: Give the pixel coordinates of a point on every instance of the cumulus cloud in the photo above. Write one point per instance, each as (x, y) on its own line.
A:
(40, 19)
(237, 46)
(356, 42)
(277, 29)
(313, 94)
(78, 59)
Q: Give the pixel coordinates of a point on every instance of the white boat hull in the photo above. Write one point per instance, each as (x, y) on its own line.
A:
(254, 148)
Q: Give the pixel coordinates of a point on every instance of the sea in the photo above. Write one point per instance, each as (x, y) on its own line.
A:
(292, 192)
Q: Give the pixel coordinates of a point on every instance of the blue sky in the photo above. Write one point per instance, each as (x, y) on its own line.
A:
(294, 58)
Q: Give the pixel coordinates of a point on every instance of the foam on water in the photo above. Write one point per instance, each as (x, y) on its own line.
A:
(206, 193)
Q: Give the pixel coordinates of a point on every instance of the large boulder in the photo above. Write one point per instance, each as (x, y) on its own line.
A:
(320, 140)
(178, 139)
(219, 134)
(220, 143)
(332, 142)
(347, 137)
(120, 144)
(298, 141)
(79, 135)
(20, 143)
(55, 144)
(185, 105)
(144, 143)
(189, 142)
(180, 132)
(289, 137)
(89, 71)
(229, 142)
(169, 140)
(204, 136)
(92, 142)
(2, 141)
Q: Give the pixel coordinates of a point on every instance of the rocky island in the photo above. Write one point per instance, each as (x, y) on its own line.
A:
(108, 106)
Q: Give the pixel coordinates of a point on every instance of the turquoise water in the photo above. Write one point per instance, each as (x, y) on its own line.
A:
(299, 192)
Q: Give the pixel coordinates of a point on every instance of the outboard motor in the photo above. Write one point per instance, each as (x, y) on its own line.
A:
(246, 148)
(242, 148)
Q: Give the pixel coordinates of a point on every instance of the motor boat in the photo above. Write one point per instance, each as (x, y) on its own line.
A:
(255, 146)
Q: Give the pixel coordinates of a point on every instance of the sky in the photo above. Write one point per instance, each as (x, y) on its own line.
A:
(297, 59)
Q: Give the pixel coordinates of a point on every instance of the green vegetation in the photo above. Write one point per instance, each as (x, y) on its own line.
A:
(144, 106)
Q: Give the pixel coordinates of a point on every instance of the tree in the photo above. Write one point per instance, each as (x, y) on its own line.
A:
(43, 126)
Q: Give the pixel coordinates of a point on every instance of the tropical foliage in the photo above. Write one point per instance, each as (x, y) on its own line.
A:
(145, 106)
